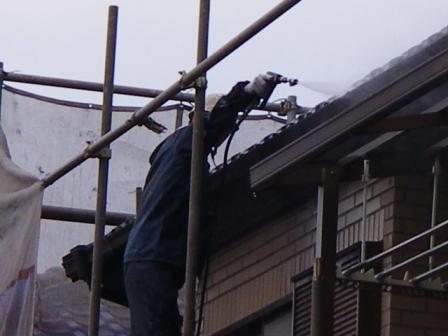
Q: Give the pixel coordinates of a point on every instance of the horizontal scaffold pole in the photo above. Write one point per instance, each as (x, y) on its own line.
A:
(82, 215)
(98, 87)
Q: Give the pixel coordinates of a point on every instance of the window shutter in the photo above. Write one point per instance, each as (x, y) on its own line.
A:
(347, 315)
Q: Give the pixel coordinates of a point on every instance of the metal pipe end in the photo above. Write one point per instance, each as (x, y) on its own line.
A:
(44, 182)
(414, 281)
(379, 276)
(87, 152)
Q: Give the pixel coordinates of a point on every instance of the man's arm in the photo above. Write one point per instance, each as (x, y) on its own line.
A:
(223, 116)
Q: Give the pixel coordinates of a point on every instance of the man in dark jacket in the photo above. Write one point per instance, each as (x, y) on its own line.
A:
(155, 255)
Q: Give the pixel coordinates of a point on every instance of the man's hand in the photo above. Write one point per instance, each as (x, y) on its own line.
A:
(260, 85)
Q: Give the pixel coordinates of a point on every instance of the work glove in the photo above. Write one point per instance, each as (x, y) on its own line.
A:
(260, 85)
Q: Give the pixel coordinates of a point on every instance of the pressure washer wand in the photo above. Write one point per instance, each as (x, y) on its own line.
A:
(260, 103)
(278, 79)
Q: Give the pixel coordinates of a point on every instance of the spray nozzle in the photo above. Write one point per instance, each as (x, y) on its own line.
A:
(279, 79)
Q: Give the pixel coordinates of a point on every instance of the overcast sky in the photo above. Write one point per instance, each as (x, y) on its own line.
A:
(336, 42)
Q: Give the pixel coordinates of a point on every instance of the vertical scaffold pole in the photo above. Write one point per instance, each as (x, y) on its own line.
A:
(325, 262)
(292, 109)
(196, 175)
(103, 172)
(1, 89)
(138, 199)
(363, 231)
(179, 117)
(435, 205)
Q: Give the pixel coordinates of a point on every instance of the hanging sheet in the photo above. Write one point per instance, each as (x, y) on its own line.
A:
(20, 210)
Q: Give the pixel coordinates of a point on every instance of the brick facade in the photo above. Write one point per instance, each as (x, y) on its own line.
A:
(255, 271)
(402, 314)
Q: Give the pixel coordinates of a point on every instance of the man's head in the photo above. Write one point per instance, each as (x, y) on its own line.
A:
(210, 102)
(219, 124)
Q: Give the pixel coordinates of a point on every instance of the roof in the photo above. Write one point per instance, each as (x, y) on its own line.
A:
(385, 119)
(62, 308)
(273, 149)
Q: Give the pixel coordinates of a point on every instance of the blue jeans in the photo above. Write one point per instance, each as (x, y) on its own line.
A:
(151, 289)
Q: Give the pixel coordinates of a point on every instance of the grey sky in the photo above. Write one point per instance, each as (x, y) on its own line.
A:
(337, 42)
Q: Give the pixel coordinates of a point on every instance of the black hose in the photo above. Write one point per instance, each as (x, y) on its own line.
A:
(217, 199)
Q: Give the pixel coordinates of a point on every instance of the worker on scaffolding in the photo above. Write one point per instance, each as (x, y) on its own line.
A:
(155, 255)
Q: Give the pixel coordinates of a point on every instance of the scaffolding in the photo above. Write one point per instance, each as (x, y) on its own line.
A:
(365, 117)
(100, 149)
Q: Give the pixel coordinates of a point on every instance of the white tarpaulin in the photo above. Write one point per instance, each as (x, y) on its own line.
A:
(20, 208)
(44, 135)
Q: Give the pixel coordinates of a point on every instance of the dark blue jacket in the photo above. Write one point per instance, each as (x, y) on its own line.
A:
(159, 232)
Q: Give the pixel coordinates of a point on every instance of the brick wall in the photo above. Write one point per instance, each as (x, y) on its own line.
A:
(411, 214)
(255, 271)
